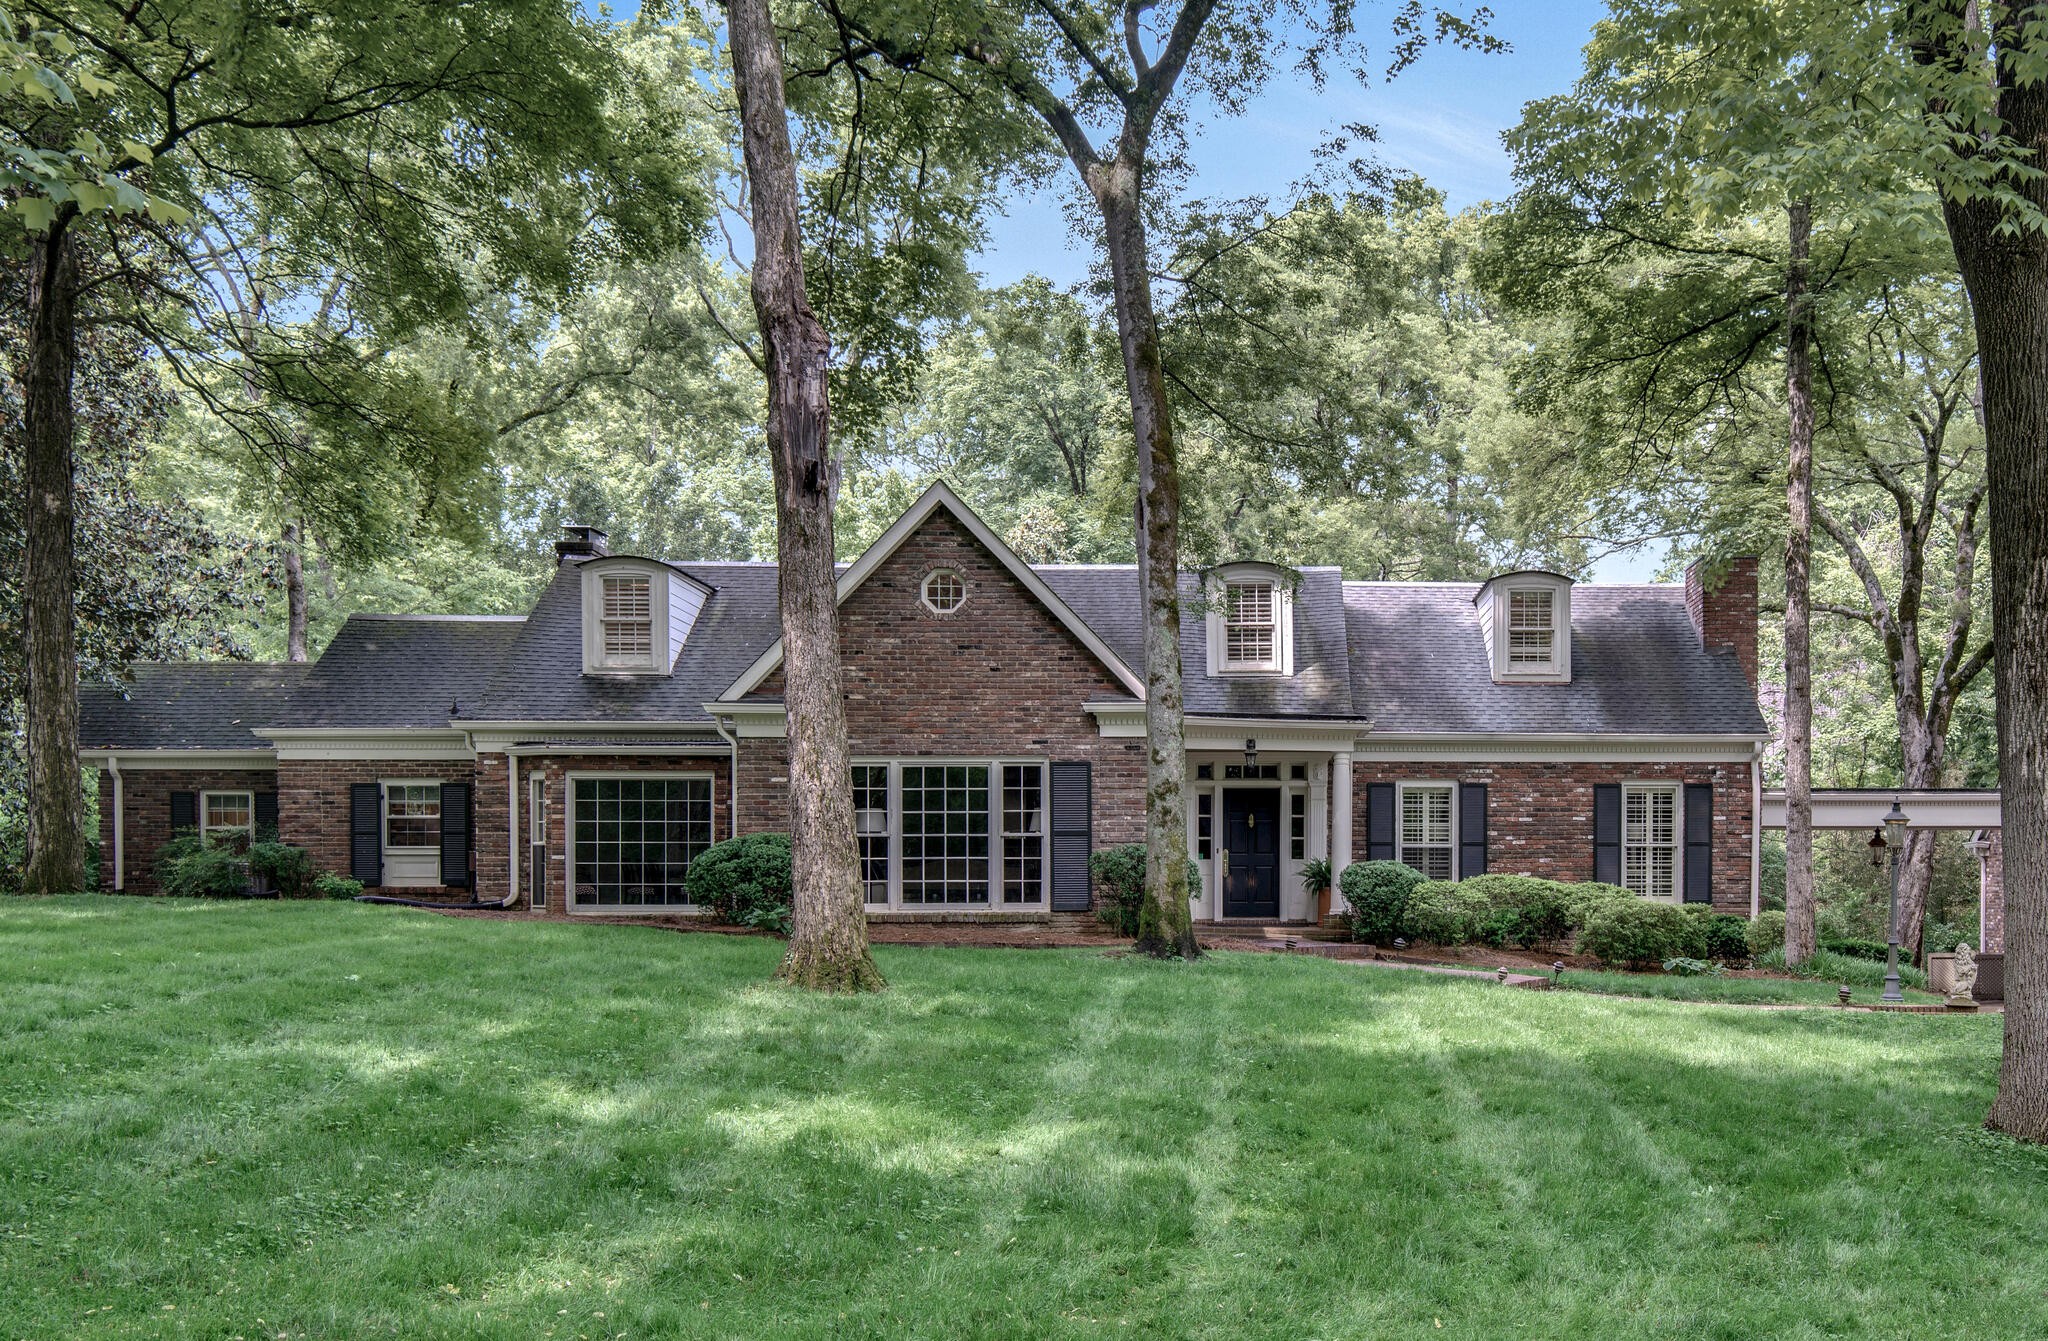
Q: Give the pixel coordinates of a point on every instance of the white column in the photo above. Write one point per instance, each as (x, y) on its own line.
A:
(1340, 824)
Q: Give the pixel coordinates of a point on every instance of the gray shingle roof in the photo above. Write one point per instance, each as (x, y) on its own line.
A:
(192, 705)
(1418, 664)
(399, 670)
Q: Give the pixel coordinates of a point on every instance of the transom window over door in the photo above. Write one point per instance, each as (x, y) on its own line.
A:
(635, 838)
(628, 619)
(1649, 841)
(1532, 630)
(945, 833)
(1426, 830)
(1250, 625)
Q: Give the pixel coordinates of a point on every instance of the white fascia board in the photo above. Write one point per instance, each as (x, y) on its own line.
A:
(1557, 748)
(497, 737)
(753, 721)
(182, 759)
(930, 501)
(1867, 809)
(430, 744)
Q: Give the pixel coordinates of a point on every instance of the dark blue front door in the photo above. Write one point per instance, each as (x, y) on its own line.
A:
(1251, 838)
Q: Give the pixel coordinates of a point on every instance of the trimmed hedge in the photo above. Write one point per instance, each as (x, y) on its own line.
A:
(1378, 892)
(1119, 874)
(747, 881)
(1442, 912)
(1638, 935)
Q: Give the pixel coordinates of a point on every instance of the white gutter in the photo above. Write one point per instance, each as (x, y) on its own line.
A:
(512, 844)
(120, 846)
(732, 777)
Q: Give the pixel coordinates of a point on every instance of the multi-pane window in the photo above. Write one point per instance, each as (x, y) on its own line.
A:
(1426, 830)
(1205, 825)
(1250, 772)
(944, 591)
(1297, 825)
(1023, 833)
(1250, 629)
(228, 818)
(1649, 841)
(636, 837)
(871, 828)
(628, 620)
(945, 833)
(412, 814)
(1531, 630)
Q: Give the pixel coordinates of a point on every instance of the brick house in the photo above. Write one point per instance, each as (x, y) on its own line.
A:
(575, 759)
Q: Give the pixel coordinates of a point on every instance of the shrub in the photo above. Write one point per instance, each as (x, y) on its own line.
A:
(1853, 948)
(289, 868)
(191, 868)
(1830, 967)
(1502, 927)
(1766, 933)
(1583, 902)
(1539, 903)
(1442, 913)
(1942, 938)
(1378, 894)
(328, 885)
(1119, 874)
(1636, 934)
(1723, 937)
(746, 881)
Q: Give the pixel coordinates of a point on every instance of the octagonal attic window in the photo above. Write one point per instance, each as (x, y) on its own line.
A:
(944, 591)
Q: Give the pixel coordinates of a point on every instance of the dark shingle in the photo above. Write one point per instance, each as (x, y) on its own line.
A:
(192, 705)
(400, 670)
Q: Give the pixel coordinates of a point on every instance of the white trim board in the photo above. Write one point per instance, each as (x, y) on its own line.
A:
(186, 760)
(1867, 809)
(414, 744)
(931, 500)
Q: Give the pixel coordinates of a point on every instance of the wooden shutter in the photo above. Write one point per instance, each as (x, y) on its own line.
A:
(1381, 814)
(455, 840)
(266, 815)
(184, 811)
(366, 832)
(1073, 836)
(1607, 833)
(1471, 829)
(1699, 843)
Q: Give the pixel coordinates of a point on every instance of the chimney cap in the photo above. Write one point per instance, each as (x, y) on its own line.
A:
(581, 541)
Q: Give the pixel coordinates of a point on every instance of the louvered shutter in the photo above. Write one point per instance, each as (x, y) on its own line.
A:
(366, 832)
(1699, 843)
(1073, 836)
(1380, 815)
(1471, 830)
(266, 815)
(184, 811)
(455, 834)
(1607, 833)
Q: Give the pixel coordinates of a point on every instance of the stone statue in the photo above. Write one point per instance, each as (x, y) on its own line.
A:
(1966, 976)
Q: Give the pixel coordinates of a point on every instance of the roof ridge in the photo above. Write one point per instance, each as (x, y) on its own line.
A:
(448, 619)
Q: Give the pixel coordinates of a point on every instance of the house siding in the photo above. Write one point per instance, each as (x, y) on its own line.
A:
(313, 806)
(146, 814)
(1539, 816)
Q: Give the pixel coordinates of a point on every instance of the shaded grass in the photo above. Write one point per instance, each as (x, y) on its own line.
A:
(1751, 991)
(343, 1121)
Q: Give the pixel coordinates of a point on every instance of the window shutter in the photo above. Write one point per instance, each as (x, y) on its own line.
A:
(1379, 821)
(1699, 843)
(266, 814)
(366, 832)
(184, 811)
(1073, 836)
(1471, 829)
(1607, 833)
(455, 840)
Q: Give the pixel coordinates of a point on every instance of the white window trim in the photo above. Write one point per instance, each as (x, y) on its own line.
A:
(1401, 790)
(1676, 790)
(658, 576)
(1220, 581)
(228, 828)
(1500, 596)
(895, 765)
(384, 814)
(569, 781)
(924, 591)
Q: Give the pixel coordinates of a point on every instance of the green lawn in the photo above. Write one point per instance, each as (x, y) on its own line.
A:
(1749, 991)
(341, 1121)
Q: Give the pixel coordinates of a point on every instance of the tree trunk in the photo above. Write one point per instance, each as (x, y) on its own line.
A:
(294, 593)
(56, 794)
(1799, 903)
(828, 941)
(1165, 928)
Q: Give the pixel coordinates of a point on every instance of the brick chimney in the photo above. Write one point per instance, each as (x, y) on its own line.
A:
(1725, 615)
(581, 542)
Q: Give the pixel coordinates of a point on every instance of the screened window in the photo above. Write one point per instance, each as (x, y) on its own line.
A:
(871, 828)
(636, 838)
(1426, 830)
(945, 833)
(412, 815)
(1023, 833)
(1649, 841)
(228, 817)
(1250, 628)
(628, 620)
(1532, 632)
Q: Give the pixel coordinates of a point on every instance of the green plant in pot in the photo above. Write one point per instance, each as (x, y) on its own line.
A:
(1315, 880)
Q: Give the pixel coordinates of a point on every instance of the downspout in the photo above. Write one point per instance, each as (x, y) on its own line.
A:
(512, 836)
(1756, 829)
(120, 845)
(732, 775)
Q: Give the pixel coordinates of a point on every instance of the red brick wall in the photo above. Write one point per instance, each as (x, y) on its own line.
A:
(1726, 615)
(313, 804)
(1539, 817)
(146, 814)
(999, 677)
(492, 820)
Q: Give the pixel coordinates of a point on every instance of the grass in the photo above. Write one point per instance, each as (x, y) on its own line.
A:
(1736, 991)
(320, 1120)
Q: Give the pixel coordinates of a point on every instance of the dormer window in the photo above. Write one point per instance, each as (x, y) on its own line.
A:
(628, 618)
(1526, 619)
(636, 613)
(1251, 621)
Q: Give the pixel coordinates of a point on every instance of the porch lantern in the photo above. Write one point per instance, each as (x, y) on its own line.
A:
(1251, 756)
(1894, 840)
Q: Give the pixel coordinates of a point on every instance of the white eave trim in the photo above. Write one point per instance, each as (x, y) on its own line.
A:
(1866, 809)
(932, 499)
(182, 758)
(1558, 747)
(420, 743)
(752, 721)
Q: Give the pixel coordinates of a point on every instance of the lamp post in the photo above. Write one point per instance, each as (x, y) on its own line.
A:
(1894, 839)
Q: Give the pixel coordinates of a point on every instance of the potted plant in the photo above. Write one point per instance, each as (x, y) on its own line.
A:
(1315, 879)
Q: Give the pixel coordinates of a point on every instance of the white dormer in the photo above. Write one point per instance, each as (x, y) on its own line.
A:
(636, 613)
(1251, 619)
(1526, 619)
